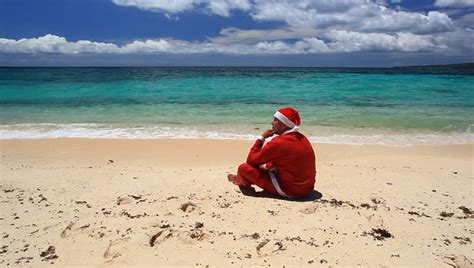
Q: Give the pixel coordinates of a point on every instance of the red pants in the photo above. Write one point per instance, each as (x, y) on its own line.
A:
(256, 176)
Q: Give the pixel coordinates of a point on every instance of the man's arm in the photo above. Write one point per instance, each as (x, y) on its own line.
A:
(261, 140)
(259, 156)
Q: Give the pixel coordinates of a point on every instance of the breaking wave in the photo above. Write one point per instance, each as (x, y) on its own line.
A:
(51, 131)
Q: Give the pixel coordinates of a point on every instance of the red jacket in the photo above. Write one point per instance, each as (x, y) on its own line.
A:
(293, 157)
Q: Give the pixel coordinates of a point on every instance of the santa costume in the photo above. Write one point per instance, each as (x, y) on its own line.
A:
(286, 165)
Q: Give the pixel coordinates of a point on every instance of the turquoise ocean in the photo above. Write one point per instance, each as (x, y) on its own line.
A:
(397, 106)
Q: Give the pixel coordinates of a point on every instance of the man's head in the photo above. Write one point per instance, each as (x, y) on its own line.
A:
(285, 119)
(278, 127)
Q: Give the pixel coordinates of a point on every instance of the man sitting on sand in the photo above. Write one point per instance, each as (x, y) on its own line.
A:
(286, 165)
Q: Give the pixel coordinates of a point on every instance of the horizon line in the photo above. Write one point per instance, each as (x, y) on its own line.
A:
(468, 64)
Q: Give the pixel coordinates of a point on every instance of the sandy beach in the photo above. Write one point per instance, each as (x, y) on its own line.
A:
(110, 202)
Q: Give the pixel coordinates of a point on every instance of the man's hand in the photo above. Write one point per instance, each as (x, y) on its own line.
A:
(268, 133)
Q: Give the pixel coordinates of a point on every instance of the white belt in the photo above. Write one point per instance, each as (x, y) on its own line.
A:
(274, 178)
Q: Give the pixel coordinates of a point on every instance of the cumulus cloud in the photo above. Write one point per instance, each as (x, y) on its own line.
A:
(239, 36)
(389, 21)
(218, 7)
(310, 26)
(465, 21)
(167, 6)
(54, 44)
(344, 41)
(318, 25)
(357, 15)
(334, 41)
(454, 3)
(57, 44)
(223, 8)
(459, 42)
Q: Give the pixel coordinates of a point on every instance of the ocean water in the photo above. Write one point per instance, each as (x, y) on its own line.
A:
(355, 106)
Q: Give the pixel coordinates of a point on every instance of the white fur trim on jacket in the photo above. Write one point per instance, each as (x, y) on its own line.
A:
(275, 183)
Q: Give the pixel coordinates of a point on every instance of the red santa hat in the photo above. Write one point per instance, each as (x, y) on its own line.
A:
(289, 116)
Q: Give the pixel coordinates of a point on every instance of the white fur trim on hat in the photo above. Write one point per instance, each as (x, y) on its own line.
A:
(284, 119)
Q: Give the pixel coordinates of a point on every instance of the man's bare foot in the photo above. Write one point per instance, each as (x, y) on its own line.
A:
(231, 177)
(238, 181)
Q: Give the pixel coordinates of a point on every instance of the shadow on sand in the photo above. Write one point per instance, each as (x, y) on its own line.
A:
(314, 195)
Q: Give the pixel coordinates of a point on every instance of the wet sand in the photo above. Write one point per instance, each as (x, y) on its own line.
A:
(101, 202)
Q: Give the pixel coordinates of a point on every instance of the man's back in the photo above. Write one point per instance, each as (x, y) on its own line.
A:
(296, 164)
(293, 157)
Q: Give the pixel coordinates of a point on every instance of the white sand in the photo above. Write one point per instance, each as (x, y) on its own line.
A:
(66, 193)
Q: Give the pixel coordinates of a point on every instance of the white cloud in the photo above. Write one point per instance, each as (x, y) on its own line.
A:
(454, 3)
(147, 46)
(357, 15)
(54, 44)
(335, 41)
(174, 6)
(458, 42)
(344, 41)
(386, 2)
(218, 7)
(466, 21)
(223, 8)
(57, 44)
(239, 36)
(292, 14)
(312, 45)
(351, 15)
(381, 2)
(389, 21)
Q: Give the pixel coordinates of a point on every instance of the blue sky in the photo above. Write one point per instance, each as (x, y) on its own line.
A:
(235, 32)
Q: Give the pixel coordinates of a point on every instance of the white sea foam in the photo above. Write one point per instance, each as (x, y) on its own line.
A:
(396, 139)
(48, 131)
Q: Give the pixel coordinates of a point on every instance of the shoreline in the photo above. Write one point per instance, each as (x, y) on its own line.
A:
(111, 202)
(215, 142)
(325, 136)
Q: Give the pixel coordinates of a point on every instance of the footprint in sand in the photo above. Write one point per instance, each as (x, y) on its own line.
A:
(74, 227)
(376, 221)
(124, 200)
(460, 261)
(127, 199)
(160, 237)
(115, 248)
(378, 200)
(126, 246)
(310, 209)
(192, 236)
(269, 247)
(187, 207)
